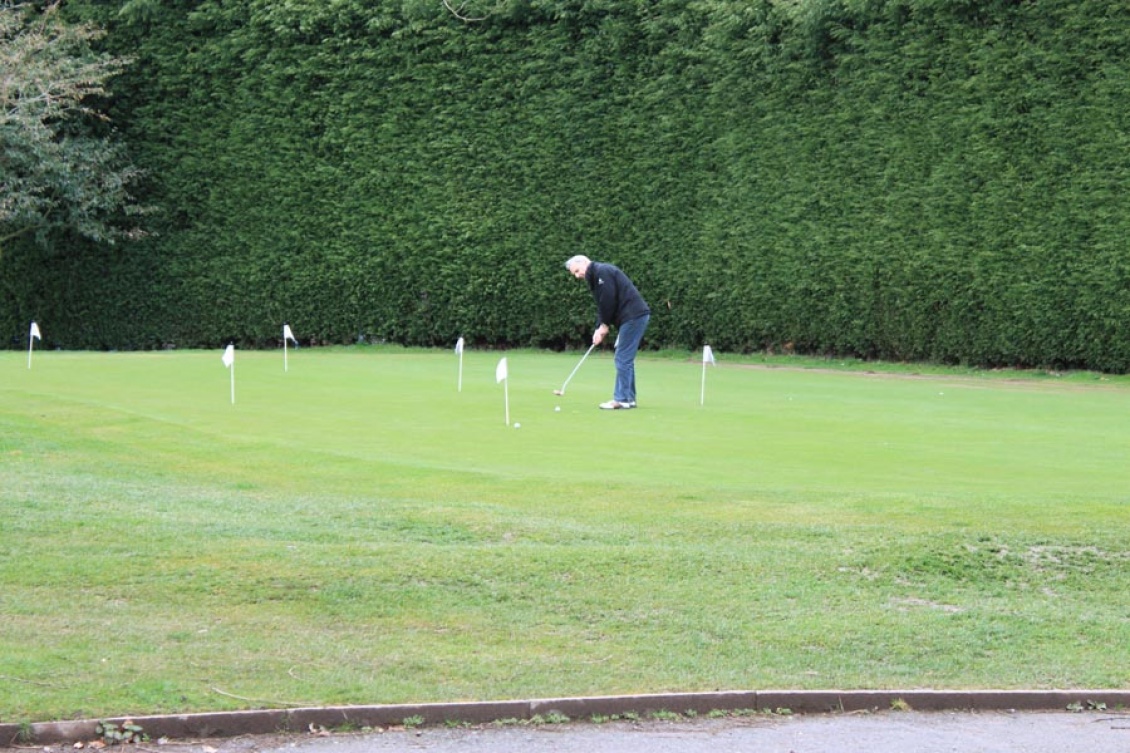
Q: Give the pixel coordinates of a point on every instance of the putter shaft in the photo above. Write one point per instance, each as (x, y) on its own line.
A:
(574, 371)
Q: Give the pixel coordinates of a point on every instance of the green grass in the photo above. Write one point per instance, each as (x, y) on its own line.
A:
(357, 531)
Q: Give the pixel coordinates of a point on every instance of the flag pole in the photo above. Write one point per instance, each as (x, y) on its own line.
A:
(228, 359)
(502, 374)
(702, 393)
(459, 350)
(288, 334)
(707, 357)
(32, 336)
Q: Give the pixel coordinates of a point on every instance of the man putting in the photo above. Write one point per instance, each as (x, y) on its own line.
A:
(617, 303)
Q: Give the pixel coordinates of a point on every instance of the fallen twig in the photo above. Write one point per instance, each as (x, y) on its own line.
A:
(29, 682)
(262, 700)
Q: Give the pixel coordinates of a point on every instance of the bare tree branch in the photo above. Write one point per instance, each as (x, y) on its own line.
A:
(461, 10)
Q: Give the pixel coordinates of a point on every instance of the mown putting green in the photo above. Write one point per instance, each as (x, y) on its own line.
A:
(356, 530)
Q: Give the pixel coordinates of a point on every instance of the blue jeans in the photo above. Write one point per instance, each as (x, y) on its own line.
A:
(629, 337)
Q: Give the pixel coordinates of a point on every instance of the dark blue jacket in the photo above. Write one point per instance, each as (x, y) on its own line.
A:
(617, 300)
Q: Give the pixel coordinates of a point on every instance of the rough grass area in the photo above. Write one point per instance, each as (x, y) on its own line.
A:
(356, 530)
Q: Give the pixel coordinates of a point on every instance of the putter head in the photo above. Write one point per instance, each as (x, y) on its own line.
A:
(559, 392)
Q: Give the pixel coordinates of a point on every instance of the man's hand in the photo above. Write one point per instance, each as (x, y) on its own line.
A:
(599, 334)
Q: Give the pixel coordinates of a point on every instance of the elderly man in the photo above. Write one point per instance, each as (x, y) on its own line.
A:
(617, 303)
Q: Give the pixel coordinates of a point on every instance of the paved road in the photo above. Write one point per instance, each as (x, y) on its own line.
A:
(882, 732)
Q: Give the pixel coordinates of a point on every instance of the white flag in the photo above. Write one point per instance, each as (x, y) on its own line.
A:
(500, 376)
(229, 356)
(33, 336)
(289, 335)
(707, 358)
(459, 347)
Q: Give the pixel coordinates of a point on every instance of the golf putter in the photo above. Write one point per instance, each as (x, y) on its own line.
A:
(574, 371)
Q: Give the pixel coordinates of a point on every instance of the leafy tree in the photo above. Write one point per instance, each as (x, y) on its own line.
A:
(61, 170)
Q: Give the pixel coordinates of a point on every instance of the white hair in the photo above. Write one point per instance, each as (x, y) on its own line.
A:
(578, 259)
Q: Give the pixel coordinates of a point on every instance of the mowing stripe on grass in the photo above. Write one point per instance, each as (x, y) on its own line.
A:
(356, 530)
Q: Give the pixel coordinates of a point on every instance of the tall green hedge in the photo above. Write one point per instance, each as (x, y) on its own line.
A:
(939, 180)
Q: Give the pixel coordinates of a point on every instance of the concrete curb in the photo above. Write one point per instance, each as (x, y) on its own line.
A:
(272, 721)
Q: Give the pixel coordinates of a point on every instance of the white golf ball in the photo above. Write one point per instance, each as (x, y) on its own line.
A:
(557, 408)
(517, 425)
